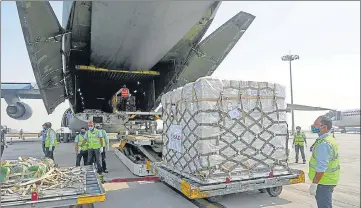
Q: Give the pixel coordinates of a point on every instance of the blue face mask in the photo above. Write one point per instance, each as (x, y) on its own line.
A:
(91, 128)
(315, 130)
(82, 132)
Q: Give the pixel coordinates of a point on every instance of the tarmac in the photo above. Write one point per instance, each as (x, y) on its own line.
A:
(158, 194)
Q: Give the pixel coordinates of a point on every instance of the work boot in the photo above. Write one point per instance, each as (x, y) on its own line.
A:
(296, 162)
(105, 171)
(304, 162)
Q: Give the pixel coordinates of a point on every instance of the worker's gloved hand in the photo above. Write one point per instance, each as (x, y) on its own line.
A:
(293, 145)
(50, 149)
(313, 189)
(101, 149)
(306, 145)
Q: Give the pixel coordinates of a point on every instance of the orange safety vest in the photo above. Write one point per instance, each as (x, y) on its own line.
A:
(124, 92)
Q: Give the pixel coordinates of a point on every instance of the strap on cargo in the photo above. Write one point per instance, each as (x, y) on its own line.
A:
(175, 158)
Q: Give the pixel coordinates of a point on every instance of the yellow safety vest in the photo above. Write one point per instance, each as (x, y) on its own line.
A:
(332, 174)
(299, 139)
(80, 143)
(93, 139)
(47, 139)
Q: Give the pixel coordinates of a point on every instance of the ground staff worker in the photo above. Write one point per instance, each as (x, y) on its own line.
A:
(3, 140)
(324, 165)
(43, 137)
(299, 143)
(105, 147)
(95, 141)
(50, 141)
(80, 149)
(123, 93)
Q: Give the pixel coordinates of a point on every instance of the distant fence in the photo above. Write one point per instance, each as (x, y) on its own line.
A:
(24, 135)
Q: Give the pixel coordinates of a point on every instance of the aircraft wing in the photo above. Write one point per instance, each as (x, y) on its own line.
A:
(297, 107)
(21, 90)
(43, 38)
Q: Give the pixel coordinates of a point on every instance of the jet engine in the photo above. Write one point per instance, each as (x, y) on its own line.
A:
(19, 111)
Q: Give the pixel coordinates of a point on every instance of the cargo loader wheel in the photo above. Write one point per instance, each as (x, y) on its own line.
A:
(274, 191)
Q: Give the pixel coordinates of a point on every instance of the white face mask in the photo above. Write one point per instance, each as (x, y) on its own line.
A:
(91, 128)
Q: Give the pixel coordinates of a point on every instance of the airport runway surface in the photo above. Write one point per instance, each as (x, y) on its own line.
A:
(140, 194)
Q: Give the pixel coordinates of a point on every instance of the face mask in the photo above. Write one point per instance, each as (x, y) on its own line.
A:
(315, 130)
(91, 128)
(82, 132)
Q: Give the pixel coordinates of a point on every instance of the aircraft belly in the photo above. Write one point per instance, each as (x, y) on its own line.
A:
(348, 121)
(136, 35)
(75, 124)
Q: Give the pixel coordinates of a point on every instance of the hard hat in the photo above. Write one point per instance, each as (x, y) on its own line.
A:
(98, 125)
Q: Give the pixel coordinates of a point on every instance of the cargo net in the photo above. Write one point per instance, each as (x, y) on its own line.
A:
(25, 175)
(217, 128)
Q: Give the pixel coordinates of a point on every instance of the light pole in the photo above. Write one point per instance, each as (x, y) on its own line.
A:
(291, 58)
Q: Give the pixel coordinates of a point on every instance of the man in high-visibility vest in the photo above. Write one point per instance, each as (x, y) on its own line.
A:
(80, 149)
(43, 138)
(324, 165)
(299, 143)
(123, 93)
(105, 147)
(95, 141)
(50, 141)
(3, 140)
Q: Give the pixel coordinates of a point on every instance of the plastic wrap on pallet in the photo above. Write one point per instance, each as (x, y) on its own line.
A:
(220, 128)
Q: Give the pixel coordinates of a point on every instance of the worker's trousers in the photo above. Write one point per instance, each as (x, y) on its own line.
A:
(82, 154)
(123, 103)
(299, 148)
(43, 146)
(50, 154)
(95, 153)
(104, 164)
(2, 150)
(324, 196)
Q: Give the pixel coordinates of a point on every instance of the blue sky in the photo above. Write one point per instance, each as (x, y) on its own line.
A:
(326, 35)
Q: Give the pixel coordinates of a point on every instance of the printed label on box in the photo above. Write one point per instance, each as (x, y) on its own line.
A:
(175, 138)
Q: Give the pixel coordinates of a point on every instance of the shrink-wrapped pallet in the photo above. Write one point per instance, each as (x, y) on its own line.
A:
(215, 129)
